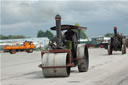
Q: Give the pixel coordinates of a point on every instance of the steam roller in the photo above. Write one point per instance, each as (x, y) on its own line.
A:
(65, 51)
(117, 43)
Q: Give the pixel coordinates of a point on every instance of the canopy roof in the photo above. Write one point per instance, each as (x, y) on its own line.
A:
(66, 27)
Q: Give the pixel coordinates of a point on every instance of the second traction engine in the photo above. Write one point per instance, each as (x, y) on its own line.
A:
(117, 43)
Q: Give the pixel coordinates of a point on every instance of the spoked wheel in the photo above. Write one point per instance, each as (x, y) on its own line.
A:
(30, 50)
(109, 50)
(83, 63)
(12, 51)
(123, 49)
(55, 65)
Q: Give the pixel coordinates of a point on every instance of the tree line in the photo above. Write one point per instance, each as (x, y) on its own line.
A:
(46, 33)
(42, 33)
(50, 35)
(12, 37)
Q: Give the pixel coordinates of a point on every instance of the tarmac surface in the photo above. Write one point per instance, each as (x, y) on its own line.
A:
(22, 69)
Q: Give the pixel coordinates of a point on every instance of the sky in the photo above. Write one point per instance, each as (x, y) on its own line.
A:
(27, 17)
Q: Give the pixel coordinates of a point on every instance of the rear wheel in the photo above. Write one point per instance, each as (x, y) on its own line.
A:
(83, 63)
(109, 50)
(123, 49)
(30, 50)
(12, 51)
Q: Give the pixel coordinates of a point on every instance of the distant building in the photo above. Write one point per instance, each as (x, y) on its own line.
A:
(96, 41)
(106, 39)
(38, 42)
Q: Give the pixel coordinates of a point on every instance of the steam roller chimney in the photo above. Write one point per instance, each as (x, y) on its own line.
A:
(58, 30)
(115, 31)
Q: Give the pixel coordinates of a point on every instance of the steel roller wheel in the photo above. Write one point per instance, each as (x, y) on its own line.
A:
(56, 63)
(124, 46)
(123, 49)
(83, 63)
(109, 50)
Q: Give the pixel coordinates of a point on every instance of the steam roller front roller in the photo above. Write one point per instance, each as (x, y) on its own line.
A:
(55, 65)
(83, 62)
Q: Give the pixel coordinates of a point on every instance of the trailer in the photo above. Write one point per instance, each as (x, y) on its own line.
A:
(27, 46)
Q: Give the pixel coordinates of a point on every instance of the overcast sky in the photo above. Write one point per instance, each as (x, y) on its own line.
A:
(26, 17)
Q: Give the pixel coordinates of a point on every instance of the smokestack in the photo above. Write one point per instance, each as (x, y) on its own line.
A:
(115, 31)
(58, 30)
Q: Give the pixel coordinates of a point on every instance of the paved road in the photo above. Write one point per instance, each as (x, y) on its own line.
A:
(22, 69)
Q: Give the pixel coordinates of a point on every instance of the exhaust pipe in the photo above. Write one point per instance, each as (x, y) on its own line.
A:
(115, 31)
(58, 30)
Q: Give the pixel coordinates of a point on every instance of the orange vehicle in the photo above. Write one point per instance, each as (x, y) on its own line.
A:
(27, 46)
